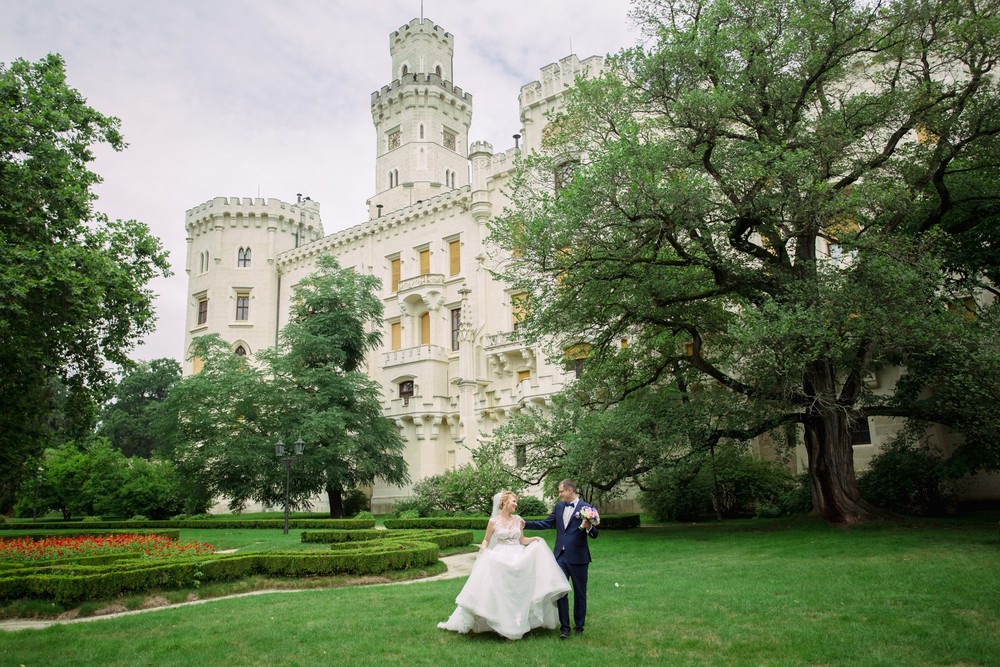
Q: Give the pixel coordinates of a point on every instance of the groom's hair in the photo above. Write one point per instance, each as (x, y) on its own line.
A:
(568, 484)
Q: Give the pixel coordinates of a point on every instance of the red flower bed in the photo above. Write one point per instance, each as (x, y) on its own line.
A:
(54, 548)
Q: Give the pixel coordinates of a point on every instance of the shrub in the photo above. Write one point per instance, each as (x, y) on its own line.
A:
(365, 515)
(910, 479)
(412, 507)
(532, 506)
(732, 483)
(356, 501)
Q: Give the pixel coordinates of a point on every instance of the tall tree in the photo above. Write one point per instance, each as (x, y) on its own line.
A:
(768, 200)
(73, 285)
(129, 420)
(230, 415)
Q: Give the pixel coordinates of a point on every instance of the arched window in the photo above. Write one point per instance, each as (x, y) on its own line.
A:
(437, 70)
(447, 177)
(406, 391)
(243, 258)
(421, 130)
(391, 184)
(240, 351)
(406, 70)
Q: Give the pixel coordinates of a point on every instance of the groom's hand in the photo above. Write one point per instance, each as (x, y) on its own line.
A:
(586, 525)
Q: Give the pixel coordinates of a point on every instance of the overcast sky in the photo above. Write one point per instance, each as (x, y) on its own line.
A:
(271, 98)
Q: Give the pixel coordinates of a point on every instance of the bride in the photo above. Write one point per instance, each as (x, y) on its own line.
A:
(514, 583)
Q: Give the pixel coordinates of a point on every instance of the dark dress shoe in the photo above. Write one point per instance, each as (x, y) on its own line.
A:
(564, 634)
(578, 631)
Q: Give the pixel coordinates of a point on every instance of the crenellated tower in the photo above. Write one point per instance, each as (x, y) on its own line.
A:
(233, 281)
(421, 121)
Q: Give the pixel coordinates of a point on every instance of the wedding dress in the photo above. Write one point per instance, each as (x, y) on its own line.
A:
(511, 589)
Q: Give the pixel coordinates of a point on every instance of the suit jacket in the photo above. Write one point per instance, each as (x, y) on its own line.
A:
(571, 542)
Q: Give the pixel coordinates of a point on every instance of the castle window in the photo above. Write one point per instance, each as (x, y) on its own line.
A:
(425, 329)
(425, 261)
(518, 309)
(454, 257)
(242, 306)
(395, 336)
(437, 70)
(392, 183)
(394, 272)
(202, 310)
(406, 391)
(447, 177)
(406, 70)
(523, 375)
(456, 322)
(859, 432)
(576, 358)
(421, 130)
(448, 138)
(564, 172)
(240, 351)
(243, 258)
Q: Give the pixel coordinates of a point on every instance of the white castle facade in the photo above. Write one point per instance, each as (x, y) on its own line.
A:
(450, 365)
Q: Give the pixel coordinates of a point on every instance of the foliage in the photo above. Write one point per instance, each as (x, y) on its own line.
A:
(74, 283)
(98, 479)
(727, 483)
(908, 478)
(228, 417)
(766, 206)
(531, 506)
(469, 488)
(356, 501)
(131, 419)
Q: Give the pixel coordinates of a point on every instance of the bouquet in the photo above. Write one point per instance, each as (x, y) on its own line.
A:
(590, 515)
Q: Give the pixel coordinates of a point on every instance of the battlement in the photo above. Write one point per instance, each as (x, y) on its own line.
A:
(416, 26)
(557, 77)
(256, 207)
(420, 80)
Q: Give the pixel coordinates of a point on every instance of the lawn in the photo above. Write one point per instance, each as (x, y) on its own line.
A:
(742, 593)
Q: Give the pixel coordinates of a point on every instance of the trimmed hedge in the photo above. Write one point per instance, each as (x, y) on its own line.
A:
(70, 583)
(608, 522)
(443, 538)
(345, 524)
(330, 536)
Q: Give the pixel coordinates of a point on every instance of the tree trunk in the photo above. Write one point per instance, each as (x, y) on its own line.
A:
(831, 468)
(831, 457)
(336, 497)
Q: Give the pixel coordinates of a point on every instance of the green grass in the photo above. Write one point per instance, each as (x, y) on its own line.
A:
(741, 593)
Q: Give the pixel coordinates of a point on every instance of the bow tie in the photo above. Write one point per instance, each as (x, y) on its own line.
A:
(571, 505)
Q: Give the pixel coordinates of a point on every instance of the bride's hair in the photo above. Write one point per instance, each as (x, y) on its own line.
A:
(505, 496)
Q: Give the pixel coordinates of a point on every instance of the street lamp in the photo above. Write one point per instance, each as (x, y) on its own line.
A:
(287, 460)
(38, 482)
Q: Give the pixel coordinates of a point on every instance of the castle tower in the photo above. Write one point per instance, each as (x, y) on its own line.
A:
(421, 121)
(233, 284)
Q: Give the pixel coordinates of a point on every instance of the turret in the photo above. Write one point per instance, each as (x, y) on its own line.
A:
(421, 121)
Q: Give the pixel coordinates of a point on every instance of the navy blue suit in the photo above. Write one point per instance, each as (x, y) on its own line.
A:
(573, 555)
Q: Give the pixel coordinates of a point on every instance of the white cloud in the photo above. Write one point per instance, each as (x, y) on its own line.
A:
(232, 98)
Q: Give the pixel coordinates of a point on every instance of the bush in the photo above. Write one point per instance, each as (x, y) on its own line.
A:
(412, 507)
(910, 479)
(364, 515)
(531, 506)
(732, 483)
(356, 501)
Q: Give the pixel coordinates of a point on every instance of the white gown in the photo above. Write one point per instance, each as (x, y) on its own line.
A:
(512, 588)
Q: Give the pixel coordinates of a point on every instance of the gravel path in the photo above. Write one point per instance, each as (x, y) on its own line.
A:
(459, 565)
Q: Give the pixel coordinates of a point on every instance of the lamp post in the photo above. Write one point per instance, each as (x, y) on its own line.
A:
(287, 460)
(38, 482)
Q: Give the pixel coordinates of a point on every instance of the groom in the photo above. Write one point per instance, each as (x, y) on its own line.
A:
(572, 552)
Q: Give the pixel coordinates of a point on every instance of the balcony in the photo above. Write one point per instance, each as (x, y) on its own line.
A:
(413, 355)
(424, 280)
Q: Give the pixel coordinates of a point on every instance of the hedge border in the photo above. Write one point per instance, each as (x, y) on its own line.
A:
(345, 524)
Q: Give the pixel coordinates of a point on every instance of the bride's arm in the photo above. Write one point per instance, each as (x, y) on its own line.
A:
(525, 541)
(486, 539)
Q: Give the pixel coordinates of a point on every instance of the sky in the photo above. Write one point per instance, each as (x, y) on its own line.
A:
(269, 98)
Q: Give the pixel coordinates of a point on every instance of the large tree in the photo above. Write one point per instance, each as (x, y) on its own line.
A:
(129, 420)
(231, 414)
(777, 200)
(73, 284)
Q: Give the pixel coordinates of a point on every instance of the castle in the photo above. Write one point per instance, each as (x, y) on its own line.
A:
(450, 365)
